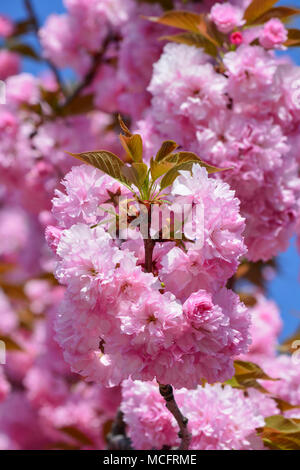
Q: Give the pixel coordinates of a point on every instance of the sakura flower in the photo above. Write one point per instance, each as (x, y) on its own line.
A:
(4, 385)
(10, 64)
(226, 17)
(6, 26)
(273, 35)
(216, 416)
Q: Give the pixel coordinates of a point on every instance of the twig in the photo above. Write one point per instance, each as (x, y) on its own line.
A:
(34, 21)
(88, 79)
(166, 392)
(117, 439)
(149, 247)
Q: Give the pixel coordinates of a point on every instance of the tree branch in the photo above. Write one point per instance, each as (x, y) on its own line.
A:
(34, 21)
(88, 79)
(149, 247)
(166, 392)
(117, 439)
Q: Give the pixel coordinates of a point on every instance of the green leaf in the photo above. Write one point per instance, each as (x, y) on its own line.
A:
(136, 173)
(182, 157)
(283, 13)
(159, 168)
(193, 39)
(281, 433)
(172, 174)
(246, 376)
(214, 33)
(124, 127)
(247, 370)
(105, 161)
(257, 8)
(133, 147)
(166, 148)
(184, 161)
(284, 405)
(180, 19)
(78, 435)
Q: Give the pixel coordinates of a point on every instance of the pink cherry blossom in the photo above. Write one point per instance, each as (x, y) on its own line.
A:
(226, 17)
(10, 64)
(216, 416)
(273, 35)
(6, 26)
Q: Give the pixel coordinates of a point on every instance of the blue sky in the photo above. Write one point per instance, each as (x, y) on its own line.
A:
(285, 288)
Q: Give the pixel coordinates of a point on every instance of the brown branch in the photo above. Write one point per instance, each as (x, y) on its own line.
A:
(117, 439)
(34, 21)
(149, 247)
(166, 392)
(89, 77)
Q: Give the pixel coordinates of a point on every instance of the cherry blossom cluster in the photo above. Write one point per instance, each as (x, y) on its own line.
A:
(243, 114)
(117, 321)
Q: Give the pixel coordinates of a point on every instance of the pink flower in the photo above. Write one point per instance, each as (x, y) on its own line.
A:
(149, 423)
(226, 17)
(52, 235)
(91, 20)
(4, 385)
(8, 317)
(201, 312)
(23, 88)
(236, 38)
(139, 50)
(265, 327)
(10, 64)
(6, 26)
(61, 45)
(273, 35)
(186, 89)
(218, 246)
(222, 121)
(250, 68)
(20, 424)
(220, 418)
(86, 189)
(285, 368)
